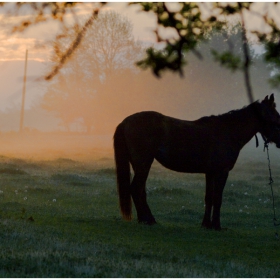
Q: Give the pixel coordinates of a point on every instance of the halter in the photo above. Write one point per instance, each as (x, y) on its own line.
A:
(266, 139)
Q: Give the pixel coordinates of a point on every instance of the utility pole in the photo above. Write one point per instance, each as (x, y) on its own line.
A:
(23, 94)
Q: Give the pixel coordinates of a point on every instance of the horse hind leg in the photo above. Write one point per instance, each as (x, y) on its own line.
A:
(208, 201)
(213, 199)
(138, 193)
(217, 199)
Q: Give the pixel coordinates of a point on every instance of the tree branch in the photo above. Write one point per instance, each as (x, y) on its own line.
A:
(247, 60)
(73, 46)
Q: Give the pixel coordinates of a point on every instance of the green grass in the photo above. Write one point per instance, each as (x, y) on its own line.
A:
(60, 218)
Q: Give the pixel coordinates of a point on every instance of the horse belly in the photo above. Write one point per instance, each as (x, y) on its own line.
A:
(188, 161)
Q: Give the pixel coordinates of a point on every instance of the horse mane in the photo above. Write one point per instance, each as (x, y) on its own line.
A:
(230, 116)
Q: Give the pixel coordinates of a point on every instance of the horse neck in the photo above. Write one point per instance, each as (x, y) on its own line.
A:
(247, 124)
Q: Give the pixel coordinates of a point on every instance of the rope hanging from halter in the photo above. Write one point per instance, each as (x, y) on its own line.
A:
(257, 141)
(266, 142)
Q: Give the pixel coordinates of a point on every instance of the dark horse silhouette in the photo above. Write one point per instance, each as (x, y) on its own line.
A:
(208, 145)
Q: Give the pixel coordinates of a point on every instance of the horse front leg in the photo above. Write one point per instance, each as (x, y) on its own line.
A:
(220, 181)
(208, 201)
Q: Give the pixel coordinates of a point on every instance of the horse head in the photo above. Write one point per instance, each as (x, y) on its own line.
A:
(270, 129)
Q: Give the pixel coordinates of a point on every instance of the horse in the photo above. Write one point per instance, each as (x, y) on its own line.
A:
(209, 145)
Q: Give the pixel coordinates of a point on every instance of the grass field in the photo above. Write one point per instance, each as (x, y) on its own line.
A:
(59, 218)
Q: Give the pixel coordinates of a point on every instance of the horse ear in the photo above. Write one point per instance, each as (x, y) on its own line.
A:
(266, 105)
(271, 99)
(265, 100)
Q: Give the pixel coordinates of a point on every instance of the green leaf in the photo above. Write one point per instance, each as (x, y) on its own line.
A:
(227, 59)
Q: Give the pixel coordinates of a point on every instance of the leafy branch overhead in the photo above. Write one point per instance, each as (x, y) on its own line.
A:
(191, 23)
(41, 12)
(189, 29)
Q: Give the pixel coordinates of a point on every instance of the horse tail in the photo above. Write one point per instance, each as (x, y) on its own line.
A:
(123, 172)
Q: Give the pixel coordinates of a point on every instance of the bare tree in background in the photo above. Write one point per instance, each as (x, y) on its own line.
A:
(108, 46)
